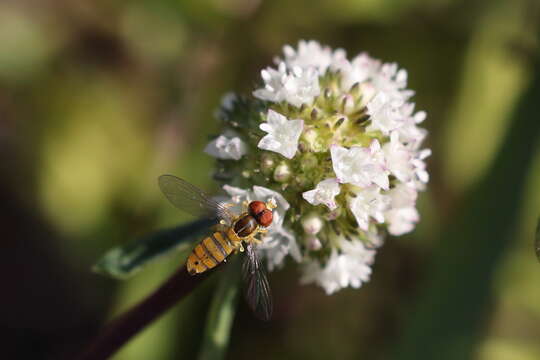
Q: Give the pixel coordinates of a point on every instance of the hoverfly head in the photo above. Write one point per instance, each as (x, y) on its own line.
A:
(261, 212)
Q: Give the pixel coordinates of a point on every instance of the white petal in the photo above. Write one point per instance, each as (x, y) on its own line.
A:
(381, 179)
(385, 114)
(368, 203)
(359, 70)
(276, 245)
(283, 134)
(402, 215)
(311, 54)
(324, 193)
(262, 193)
(424, 154)
(350, 268)
(296, 87)
(226, 148)
(398, 158)
(360, 166)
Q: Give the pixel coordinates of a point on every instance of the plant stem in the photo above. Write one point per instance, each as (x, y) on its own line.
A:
(122, 329)
(221, 314)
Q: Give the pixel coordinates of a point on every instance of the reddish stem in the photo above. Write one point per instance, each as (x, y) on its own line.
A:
(122, 329)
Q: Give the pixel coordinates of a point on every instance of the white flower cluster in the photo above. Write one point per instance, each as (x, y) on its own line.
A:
(336, 143)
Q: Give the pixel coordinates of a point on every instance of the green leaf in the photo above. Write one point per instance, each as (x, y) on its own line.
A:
(537, 240)
(450, 316)
(221, 315)
(124, 261)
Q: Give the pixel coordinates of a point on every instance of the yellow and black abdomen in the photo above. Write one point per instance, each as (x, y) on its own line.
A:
(210, 252)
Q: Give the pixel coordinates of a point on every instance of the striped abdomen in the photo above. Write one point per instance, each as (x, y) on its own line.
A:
(209, 253)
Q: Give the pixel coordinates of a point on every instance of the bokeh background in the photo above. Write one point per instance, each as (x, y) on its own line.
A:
(98, 98)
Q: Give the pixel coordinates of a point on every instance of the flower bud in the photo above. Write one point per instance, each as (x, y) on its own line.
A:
(312, 224)
(347, 104)
(311, 137)
(309, 162)
(313, 243)
(282, 173)
(267, 162)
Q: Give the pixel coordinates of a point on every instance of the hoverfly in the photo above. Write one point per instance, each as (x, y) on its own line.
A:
(227, 237)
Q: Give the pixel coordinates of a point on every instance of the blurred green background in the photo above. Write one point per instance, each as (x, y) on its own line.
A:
(98, 98)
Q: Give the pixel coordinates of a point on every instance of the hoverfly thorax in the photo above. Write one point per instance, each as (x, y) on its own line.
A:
(261, 213)
(245, 226)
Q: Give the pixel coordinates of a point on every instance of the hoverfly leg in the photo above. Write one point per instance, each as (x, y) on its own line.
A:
(238, 247)
(253, 239)
(262, 232)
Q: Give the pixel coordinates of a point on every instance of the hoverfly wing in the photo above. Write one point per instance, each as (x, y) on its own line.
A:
(258, 294)
(189, 198)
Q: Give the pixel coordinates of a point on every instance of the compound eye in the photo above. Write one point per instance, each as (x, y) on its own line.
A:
(256, 207)
(264, 218)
